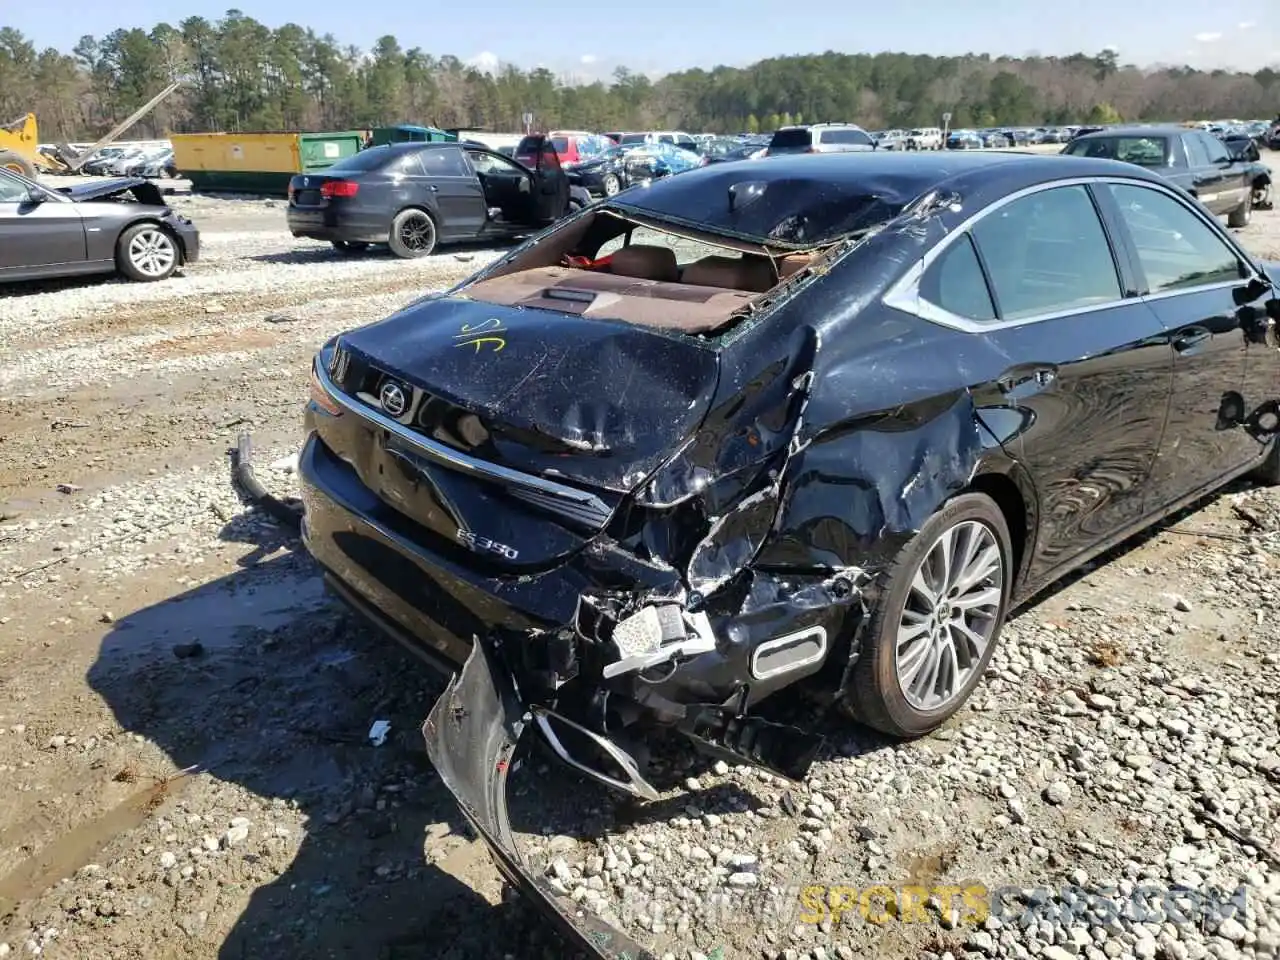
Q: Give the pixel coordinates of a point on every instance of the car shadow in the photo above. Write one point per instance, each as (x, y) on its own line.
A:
(19, 288)
(463, 252)
(268, 687)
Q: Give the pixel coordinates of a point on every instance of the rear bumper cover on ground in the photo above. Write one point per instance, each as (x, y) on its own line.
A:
(473, 737)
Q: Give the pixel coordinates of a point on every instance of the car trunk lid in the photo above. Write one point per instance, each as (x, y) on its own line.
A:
(512, 433)
(317, 190)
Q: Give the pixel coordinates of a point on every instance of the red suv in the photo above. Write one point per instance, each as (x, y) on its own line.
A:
(571, 146)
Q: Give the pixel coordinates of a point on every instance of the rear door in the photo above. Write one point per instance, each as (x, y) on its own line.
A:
(1038, 279)
(1187, 272)
(37, 229)
(442, 172)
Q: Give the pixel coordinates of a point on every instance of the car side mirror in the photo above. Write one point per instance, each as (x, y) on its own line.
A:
(1250, 292)
(34, 197)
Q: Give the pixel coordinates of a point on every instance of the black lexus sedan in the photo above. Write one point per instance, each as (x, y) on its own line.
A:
(821, 420)
(412, 196)
(112, 226)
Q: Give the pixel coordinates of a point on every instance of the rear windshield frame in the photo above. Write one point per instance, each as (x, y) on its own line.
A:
(367, 161)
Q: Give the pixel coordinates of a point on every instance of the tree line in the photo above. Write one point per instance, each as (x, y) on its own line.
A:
(240, 75)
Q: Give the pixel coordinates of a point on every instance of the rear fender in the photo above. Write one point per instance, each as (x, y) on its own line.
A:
(862, 490)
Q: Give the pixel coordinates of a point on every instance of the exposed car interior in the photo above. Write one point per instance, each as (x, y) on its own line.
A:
(602, 273)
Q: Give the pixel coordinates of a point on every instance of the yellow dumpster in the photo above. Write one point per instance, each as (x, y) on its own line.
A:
(258, 162)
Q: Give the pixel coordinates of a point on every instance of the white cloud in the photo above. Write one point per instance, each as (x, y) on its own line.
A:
(1247, 24)
(1208, 37)
(485, 61)
(587, 58)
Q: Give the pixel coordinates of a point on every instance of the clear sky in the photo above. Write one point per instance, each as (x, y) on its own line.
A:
(664, 35)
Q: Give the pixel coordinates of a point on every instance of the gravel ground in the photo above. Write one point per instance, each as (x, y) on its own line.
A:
(184, 713)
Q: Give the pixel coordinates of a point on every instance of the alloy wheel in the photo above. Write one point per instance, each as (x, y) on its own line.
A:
(417, 232)
(152, 252)
(611, 185)
(951, 613)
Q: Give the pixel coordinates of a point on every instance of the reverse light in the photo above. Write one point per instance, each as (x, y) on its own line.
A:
(322, 398)
(339, 188)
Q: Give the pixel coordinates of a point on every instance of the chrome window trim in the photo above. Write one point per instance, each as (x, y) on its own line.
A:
(904, 293)
(584, 506)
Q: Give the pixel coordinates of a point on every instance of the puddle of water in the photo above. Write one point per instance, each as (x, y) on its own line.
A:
(81, 845)
(214, 616)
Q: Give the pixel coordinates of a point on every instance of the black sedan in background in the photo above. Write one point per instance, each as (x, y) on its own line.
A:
(603, 174)
(412, 196)
(627, 484)
(1195, 160)
(106, 227)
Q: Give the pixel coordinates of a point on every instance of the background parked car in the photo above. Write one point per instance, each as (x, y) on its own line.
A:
(820, 138)
(604, 174)
(1195, 160)
(725, 150)
(675, 138)
(412, 196)
(104, 227)
(571, 147)
(964, 140)
(924, 138)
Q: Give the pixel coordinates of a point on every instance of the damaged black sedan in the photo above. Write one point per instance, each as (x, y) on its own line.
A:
(821, 419)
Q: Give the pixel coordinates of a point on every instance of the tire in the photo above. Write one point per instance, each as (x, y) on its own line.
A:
(1262, 196)
(1241, 215)
(413, 234)
(1267, 474)
(349, 246)
(874, 695)
(9, 160)
(611, 184)
(147, 252)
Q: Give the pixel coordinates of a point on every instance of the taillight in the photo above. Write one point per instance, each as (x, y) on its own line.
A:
(339, 188)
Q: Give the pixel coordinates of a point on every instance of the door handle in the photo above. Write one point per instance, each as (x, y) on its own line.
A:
(1185, 341)
(1019, 380)
(433, 188)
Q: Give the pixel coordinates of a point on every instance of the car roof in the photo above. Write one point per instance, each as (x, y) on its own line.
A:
(849, 178)
(1162, 130)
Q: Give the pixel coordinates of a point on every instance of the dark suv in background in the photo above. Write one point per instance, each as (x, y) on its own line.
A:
(820, 138)
(1195, 160)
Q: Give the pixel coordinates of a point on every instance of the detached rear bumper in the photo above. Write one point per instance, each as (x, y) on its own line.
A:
(473, 735)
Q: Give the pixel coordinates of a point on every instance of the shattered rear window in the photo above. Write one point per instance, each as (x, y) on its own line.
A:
(798, 212)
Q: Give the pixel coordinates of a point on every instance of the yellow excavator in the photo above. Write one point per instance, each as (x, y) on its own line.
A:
(20, 142)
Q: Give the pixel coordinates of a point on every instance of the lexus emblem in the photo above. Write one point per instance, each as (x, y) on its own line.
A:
(393, 399)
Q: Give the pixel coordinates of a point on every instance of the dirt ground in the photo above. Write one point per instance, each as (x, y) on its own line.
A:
(184, 713)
